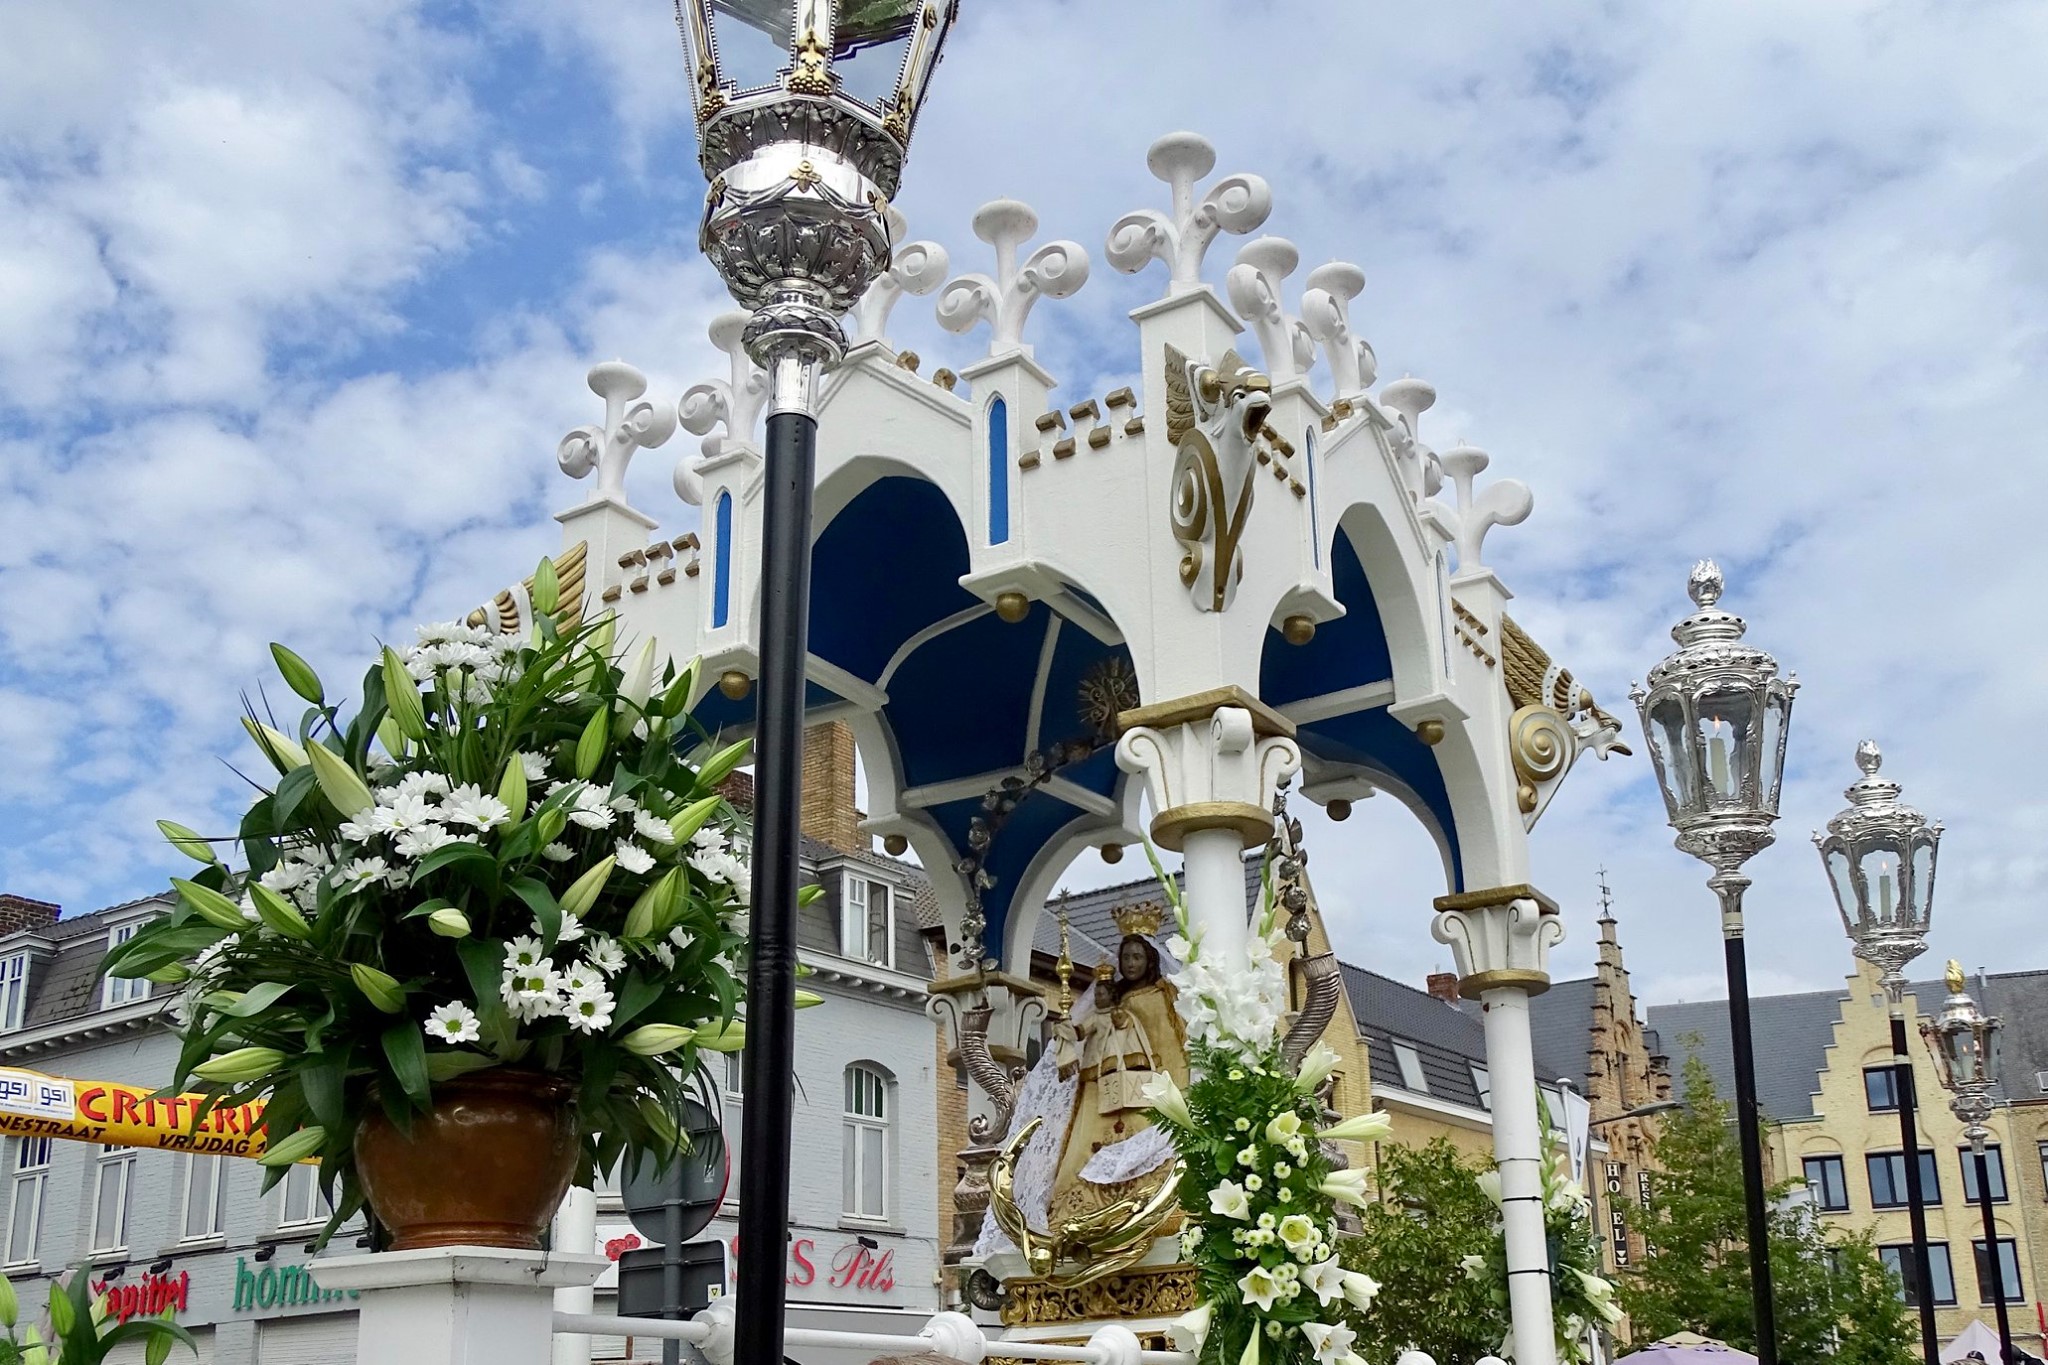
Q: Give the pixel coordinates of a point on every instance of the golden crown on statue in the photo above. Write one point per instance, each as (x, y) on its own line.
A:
(1141, 919)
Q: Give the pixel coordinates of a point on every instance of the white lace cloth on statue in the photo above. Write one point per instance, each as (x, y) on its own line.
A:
(1045, 1093)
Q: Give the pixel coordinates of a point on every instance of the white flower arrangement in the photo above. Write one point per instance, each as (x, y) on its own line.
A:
(411, 906)
(1260, 1196)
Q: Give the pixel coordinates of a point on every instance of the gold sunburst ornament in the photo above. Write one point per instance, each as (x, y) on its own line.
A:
(1107, 690)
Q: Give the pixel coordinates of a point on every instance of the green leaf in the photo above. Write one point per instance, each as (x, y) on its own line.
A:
(298, 674)
(545, 909)
(483, 962)
(635, 995)
(323, 1078)
(449, 855)
(258, 998)
(405, 1047)
(292, 789)
(446, 1066)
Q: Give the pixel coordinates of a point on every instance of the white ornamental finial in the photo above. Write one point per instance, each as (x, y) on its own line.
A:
(1236, 203)
(914, 268)
(1409, 398)
(630, 423)
(1254, 284)
(734, 404)
(1505, 502)
(1056, 270)
(1326, 312)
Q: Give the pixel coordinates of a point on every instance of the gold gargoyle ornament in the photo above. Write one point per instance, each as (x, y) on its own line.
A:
(1214, 415)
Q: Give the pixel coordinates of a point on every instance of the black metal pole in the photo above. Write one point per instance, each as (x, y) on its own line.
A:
(1993, 1263)
(672, 1278)
(1916, 1211)
(1749, 1126)
(771, 980)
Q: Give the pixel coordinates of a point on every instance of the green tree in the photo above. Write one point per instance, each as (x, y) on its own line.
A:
(1835, 1299)
(1431, 1215)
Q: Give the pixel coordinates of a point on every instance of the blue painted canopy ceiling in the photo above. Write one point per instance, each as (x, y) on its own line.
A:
(961, 705)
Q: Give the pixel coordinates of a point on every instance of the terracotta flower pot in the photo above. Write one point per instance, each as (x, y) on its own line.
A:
(486, 1168)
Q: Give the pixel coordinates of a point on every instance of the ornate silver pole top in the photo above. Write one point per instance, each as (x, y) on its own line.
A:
(804, 115)
(1716, 714)
(1880, 860)
(1964, 1042)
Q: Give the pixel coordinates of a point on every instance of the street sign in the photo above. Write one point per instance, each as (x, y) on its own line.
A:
(674, 1205)
(642, 1271)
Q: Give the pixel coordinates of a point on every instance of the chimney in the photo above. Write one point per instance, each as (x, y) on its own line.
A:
(1444, 986)
(829, 813)
(19, 912)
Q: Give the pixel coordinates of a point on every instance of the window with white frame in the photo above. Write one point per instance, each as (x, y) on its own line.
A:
(112, 1175)
(25, 1209)
(1482, 1081)
(865, 1156)
(122, 990)
(300, 1200)
(735, 1075)
(867, 929)
(1410, 1063)
(206, 1199)
(13, 991)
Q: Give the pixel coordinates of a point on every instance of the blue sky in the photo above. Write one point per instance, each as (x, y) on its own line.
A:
(295, 304)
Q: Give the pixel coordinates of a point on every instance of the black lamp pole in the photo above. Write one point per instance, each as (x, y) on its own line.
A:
(1748, 1117)
(1995, 1264)
(770, 1056)
(1916, 1209)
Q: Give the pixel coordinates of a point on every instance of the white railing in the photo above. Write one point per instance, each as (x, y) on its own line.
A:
(947, 1334)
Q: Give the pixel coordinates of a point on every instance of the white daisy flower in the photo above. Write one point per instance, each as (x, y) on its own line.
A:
(418, 784)
(524, 951)
(418, 843)
(624, 804)
(535, 766)
(359, 873)
(558, 853)
(572, 929)
(589, 1013)
(710, 838)
(532, 992)
(451, 1024)
(468, 805)
(288, 875)
(665, 955)
(405, 810)
(358, 831)
(682, 938)
(604, 953)
(652, 828)
(633, 858)
(590, 811)
(582, 979)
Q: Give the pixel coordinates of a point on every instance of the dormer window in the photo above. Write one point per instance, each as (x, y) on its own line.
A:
(867, 921)
(123, 990)
(13, 991)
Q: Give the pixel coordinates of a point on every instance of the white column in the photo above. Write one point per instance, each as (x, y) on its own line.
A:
(458, 1305)
(1212, 763)
(1518, 1150)
(1213, 863)
(1501, 939)
(575, 1231)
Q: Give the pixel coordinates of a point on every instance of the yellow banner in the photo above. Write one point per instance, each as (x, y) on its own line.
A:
(35, 1105)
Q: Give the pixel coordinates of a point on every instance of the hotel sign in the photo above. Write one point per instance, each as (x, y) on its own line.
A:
(1617, 1226)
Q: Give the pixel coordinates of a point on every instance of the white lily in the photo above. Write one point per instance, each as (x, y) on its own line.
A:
(1315, 1068)
(1188, 1331)
(639, 680)
(1346, 1187)
(1359, 1128)
(1331, 1343)
(1163, 1095)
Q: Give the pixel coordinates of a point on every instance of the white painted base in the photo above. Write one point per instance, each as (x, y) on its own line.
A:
(458, 1305)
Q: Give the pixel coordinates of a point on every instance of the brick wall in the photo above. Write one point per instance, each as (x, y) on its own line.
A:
(828, 791)
(19, 912)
